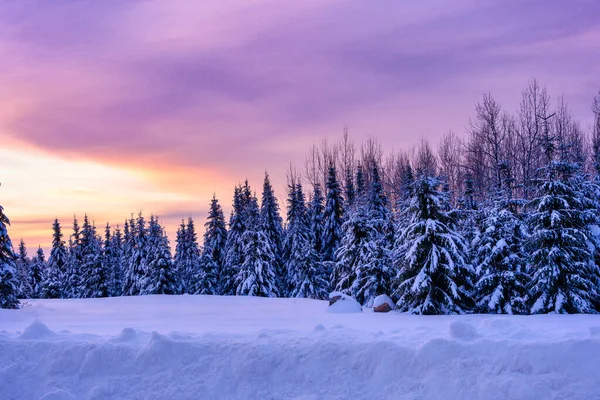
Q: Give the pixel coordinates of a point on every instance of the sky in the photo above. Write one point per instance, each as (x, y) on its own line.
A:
(114, 106)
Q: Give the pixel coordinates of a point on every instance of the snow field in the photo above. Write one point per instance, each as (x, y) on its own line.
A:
(210, 347)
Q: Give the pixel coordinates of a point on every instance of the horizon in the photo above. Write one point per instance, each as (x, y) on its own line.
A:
(155, 106)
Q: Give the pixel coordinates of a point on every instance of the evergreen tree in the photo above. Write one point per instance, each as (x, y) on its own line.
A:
(57, 265)
(305, 273)
(363, 268)
(94, 275)
(434, 276)
(8, 272)
(315, 212)
(180, 254)
(161, 276)
(270, 219)
(332, 216)
(111, 260)
(234, 256)
(215, 240)
(138, 267)
(73, 278)
(500, 261)
(256, 276)
(127, 257)
(561, 263)
(23, 263)
(361, 188)
(190, 269)
(349, 189)
(37, 274)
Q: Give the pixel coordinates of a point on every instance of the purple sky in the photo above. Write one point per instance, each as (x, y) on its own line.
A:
(224, 90)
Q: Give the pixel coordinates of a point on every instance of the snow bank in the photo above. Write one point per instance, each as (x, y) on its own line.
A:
(383, 299)
(344, 304)
(191, 347)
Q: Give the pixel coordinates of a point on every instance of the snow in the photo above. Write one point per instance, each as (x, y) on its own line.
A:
(345, 304)
(190, 347)
(382, 299)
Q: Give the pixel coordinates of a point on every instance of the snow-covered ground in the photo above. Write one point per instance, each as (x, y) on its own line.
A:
(203, 347)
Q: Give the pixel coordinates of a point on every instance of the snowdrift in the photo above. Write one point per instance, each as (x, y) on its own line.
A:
(199, 347)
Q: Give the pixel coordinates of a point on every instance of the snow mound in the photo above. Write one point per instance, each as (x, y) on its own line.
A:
(383, 299)
(344, 304)
(461, 330)
(37, 330)
(126, 335)
(58, 395)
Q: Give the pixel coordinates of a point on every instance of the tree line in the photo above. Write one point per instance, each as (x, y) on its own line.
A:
(503, 221)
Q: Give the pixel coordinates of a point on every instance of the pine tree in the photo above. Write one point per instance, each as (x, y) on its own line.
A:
(305, 272)
(138, 267)
(73, 278)
(272, 226)
(560, 258)
(190, 269)
(315, 213)
(433, 277)
(215, 240)
(57, 265)
(363, 262)
(111, 260)
(161, 276)
(127, 257)
(37, 274)
(332, 216)
(361, 188)
(234, 257)
(500, 261)
(94, 275)
(23, 264)
(8, 272)
(256, 276)
(349, 189)
(180, 254)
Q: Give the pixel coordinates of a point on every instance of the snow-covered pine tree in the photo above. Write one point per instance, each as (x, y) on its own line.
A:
(94, 275)
(73, 278)
(305, 272)
(434, 276)
(161, 276)
(315, 215)
(138, 267)
(23, 263)
(57, 265)
(361, 188)
(351, 254)
(257, 275)
(499, 259)
(372, 273)
(127, 256)
(190, 269)
(37, 274)
(180, 254)
(8, 272)
(332, 216)
(234, 256)
(215, 239)
(111, 259)
(560, 263)
(272, 226)
(349, 190)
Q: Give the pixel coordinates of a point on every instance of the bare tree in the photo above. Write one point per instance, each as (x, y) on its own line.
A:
(534, 106)
(450, 159)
